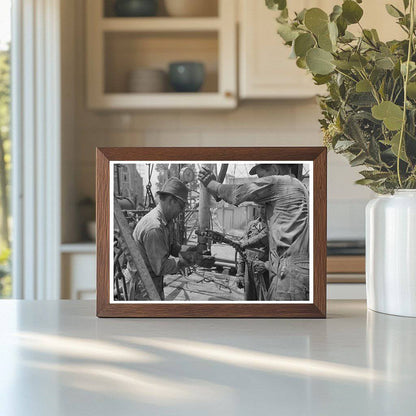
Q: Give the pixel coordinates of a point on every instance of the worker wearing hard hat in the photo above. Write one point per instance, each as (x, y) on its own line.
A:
(154, 234)
(286, 202)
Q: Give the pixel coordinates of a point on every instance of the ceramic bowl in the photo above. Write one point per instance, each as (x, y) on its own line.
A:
(186, 76)
(135, 8)
(147, 80)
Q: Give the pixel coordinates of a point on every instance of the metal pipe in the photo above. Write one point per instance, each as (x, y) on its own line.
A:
(203, 211)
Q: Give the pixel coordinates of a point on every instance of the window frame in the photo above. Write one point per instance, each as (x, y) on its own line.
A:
(36, 143)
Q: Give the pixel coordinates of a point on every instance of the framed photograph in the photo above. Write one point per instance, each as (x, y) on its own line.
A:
(211, 232)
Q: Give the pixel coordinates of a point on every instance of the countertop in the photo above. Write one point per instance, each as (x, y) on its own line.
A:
(57, 358)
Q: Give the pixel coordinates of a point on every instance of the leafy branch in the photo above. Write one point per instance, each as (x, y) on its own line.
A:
(369, 113)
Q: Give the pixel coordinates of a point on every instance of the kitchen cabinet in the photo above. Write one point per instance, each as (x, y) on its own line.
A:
(265, 70)
(118, 45)
(78, 271)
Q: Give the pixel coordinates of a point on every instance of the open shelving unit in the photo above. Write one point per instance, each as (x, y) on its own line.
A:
(118, 45)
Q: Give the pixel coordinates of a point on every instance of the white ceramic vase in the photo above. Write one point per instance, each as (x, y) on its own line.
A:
(391, 253)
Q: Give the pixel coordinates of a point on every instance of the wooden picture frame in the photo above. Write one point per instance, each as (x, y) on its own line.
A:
(315, 308)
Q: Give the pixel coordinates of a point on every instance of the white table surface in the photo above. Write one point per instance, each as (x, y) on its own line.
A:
(57, 358)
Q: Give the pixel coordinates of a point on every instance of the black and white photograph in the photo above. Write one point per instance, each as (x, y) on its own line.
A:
(211, 231)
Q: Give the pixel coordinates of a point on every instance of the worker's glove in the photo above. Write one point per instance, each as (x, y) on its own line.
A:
(206, 261)
(206, 176)
(175, 249)
(189, 256)
(183, 264)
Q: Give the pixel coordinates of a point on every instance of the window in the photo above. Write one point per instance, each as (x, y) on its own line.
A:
(5, 159)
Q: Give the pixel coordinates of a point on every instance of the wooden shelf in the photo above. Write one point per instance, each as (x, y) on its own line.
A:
(163, 101)
(127, 51)
(116, 46)
(159, 24)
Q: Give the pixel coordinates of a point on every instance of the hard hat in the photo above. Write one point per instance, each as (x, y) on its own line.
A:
(176, 188)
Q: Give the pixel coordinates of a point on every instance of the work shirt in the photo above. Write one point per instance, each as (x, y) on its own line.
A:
(286, 202)
(154, 237)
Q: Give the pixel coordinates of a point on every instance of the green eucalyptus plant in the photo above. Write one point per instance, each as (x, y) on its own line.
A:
(369, 113)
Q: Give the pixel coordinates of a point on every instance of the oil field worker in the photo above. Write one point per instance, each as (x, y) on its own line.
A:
(256, 243)
(286, 202)
(154, 233)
